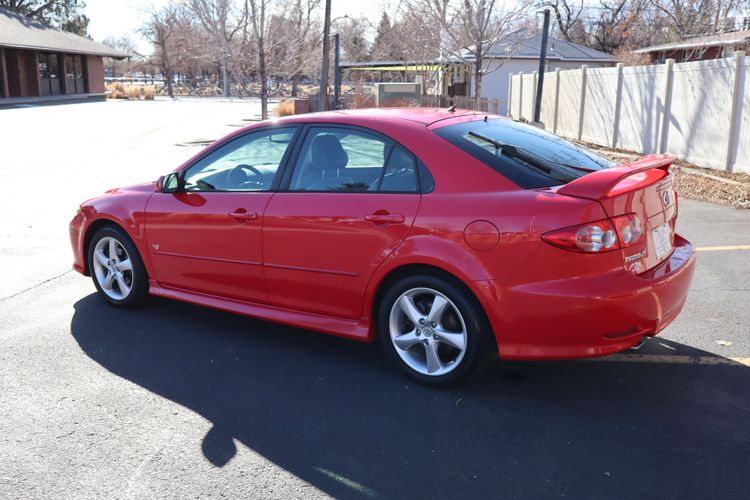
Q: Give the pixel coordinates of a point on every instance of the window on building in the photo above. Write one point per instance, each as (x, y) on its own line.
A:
(49, 73)
(74, 74)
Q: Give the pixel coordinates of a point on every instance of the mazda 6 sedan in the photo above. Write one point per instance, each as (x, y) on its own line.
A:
(452, 237)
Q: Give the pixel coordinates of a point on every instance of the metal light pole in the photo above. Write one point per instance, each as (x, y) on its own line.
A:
(323, 95)
(542, 63)
(336, 71)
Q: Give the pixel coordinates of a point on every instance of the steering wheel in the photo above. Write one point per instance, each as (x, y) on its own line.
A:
(245, 176)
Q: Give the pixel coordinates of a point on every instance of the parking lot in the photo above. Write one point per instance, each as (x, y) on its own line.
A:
(174, 400)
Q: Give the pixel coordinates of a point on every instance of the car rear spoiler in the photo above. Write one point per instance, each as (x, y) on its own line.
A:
(598, 185)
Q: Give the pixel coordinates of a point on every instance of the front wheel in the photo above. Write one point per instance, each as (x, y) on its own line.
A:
(117, 269)
(433, 329)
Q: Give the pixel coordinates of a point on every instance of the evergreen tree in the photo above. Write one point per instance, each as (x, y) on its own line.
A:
(64, 14)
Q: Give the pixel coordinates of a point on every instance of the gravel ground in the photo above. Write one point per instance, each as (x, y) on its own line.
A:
(696, 183)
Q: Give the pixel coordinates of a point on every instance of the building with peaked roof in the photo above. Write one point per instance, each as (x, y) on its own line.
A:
(518, 53)
(699, 48)
(40, 62)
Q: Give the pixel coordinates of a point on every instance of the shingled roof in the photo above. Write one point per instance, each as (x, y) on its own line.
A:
(520, 46)
(21, 32)
(703, 41)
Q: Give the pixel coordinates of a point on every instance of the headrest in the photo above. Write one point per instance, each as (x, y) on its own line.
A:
(327, 154)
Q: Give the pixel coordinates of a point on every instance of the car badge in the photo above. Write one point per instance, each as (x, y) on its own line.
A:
(156, 246)
(635, 256)
(665, 198)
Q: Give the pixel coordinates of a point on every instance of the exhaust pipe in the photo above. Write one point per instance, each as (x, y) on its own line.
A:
(638, 345)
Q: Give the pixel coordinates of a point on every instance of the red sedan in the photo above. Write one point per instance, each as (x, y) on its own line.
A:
(450, 236)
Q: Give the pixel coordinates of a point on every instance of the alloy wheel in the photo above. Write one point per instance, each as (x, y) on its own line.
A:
(113, 268)
(428, 331)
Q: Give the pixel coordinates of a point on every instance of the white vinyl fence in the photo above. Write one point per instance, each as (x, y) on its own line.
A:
(700, 111)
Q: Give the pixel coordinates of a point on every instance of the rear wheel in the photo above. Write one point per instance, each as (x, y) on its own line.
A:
(433, 329)
(117, 269)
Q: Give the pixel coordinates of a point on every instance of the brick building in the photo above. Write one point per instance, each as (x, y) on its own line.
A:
(699, 48)
(40, 62)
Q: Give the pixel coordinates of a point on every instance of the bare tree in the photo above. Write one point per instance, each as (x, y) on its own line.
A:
(470, 28)
(222, 21)
(699, 17)
(353, 39)
(125, 45)
(257, 22)
(168, 30)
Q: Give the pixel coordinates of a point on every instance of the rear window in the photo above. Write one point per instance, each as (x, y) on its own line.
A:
(526, 155)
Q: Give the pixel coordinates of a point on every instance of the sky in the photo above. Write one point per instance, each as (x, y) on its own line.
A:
(118, 18)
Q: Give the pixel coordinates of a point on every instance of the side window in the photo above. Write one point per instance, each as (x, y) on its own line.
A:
(400, 172)
(248, 163)
(348, 160)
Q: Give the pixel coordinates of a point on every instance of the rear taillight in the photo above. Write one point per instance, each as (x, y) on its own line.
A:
(592, 237)
(629, 229)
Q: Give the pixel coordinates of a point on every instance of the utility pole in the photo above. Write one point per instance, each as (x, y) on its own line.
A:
(323, 95)
(336, 71)
(542, 64)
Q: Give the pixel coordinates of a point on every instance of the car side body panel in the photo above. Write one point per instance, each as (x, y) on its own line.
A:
(542, 302)
(123, 207)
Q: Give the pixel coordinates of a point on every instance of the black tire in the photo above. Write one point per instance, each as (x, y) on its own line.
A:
(478, 339)
(137, 277)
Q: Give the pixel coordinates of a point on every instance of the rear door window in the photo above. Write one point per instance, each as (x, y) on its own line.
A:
(526, 155)
(335, 159)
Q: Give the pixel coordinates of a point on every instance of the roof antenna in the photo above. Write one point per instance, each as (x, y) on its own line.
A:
(485, 118)
(452, 108)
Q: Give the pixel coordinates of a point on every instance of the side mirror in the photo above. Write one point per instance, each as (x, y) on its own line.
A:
(169, 183)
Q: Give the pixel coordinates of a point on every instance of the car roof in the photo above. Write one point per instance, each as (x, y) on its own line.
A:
(424, 116)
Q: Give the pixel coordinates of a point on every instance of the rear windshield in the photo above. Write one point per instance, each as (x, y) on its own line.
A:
(526, 155)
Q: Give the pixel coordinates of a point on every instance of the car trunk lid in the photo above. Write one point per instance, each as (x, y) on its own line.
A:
(643, 188)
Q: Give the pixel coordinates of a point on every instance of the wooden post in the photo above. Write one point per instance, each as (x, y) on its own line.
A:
(584, 68)
(667, 107)
(557, 99)
(734, 116)
(520, 94)
(510, 96)
(618, 106)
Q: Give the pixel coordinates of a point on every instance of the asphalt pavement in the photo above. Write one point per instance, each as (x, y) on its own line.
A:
(175, 401)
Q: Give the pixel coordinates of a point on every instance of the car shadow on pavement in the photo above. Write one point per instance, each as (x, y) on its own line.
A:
(336, 414)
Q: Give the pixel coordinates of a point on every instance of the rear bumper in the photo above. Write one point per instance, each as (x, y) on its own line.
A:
(591, 316)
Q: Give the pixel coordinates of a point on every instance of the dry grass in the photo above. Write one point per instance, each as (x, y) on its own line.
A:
(116, 90)
(133, 92)
(285, 107)
(149, 92)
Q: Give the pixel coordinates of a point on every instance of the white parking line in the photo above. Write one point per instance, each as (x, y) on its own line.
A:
(722, 248)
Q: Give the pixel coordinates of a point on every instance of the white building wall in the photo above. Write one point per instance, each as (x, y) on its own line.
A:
(495, 83)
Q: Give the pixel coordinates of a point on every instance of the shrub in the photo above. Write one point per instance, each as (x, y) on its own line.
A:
(285, 107)
(116, 90)
(133, 92)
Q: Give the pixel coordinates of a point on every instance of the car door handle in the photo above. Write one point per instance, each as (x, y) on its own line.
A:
(243, 215)
(385, 218)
